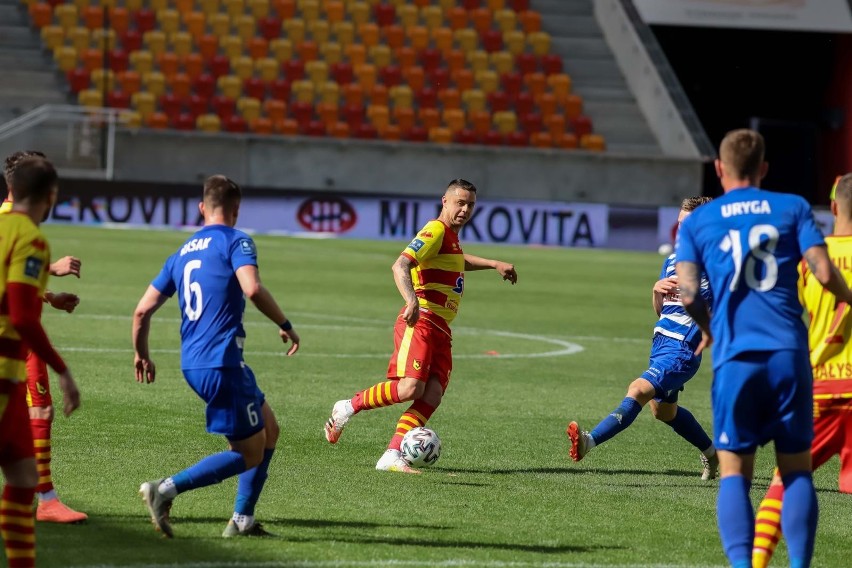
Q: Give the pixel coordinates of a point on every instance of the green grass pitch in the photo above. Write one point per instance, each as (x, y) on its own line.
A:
(570, 337)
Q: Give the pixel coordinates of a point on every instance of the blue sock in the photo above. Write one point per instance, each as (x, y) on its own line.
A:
(799, 521)
(210, 470)
(618, 420)
(685, 424)
(251, 484)
(735, 516)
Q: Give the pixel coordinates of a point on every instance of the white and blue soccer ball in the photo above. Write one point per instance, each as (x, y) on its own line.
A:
(421, 447)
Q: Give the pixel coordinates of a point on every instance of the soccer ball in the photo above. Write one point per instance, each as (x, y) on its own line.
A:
(421, 447)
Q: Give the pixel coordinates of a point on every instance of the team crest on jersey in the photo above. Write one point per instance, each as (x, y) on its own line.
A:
(33, 267)
(416, 365)
(247, 246)
(416, 245)
(40, 389)
(39, 244)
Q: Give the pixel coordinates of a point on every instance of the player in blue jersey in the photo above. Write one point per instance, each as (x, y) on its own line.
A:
(749, 243)
(672, 363)
(212, 273)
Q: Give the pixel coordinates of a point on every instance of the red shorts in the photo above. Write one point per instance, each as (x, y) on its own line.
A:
(421, 352)
(16, 437)
(38, 384)
(833, 436)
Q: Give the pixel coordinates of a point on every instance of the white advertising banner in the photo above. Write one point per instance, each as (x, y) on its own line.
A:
(512, 222)
(798, 15)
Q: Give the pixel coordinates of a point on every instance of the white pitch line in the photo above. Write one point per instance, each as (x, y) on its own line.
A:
(452, 563)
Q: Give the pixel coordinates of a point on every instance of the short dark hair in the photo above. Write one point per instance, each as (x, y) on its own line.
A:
(33, 179)
(843, 190)
(742, 153)
(462, 184)
(13, 160)
(221, 191)
(690, 204)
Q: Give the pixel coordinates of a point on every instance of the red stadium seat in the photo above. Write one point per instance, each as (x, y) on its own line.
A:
(520, 5)
(417, 134)
(270, 27)
(492, 138)
(354, 116)
(224, 106)
(427, 97)
(498, 101)
(279, 89)
(219, 65)
(236, 123)
(366, 132)
(255, 88)
(492, 40)
(524, 104)
(303, 112)
(172, 105)
(439, 78)
(204, 85)
(430, 59)
(198, 105)
(131, 41)
(581, 126)
(184, 121)
(391, 75)
(78, 79)
(551, 64)
(145, 20)
(118, 99)
(526, 63)
(342, 73)
(294, 70)
(385, 14)
(118, 60)
(465, 136)
(471, 4)
(532, 122)
(314, 128)
(512, 84)
(517, 139)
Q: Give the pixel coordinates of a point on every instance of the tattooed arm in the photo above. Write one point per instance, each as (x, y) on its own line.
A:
(402, 276)
(827, 274)
(689, 282)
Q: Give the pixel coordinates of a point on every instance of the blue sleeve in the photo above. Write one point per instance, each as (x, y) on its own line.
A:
(243, 252)
(686, 250)
(808, 232)
(663, 269)
(164, 282)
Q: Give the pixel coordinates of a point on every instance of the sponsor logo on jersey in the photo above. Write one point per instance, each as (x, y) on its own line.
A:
(416, 245)
(248, 248)
(425, 234)
(327, 215)
(416, 365)
(32, 268)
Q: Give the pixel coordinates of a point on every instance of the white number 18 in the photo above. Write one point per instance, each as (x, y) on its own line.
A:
(731, 243)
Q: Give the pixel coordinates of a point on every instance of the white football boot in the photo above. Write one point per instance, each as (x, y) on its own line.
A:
(340, 415)
(392, 460)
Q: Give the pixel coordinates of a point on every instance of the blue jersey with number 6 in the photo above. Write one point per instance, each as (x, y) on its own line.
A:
(203, 273)
(749, 242)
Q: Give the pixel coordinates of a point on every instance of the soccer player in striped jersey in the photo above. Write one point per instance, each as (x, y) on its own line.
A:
(50, 508)
(672, 364)
(829, 331)
(23, 277)
(429, 275)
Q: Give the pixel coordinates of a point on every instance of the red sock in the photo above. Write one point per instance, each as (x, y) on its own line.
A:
(377, 396)
(17, 525)
(41, 441)
(767, 527)
(416, 415)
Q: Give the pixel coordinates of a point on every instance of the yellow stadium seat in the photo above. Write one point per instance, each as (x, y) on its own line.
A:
(268, 68)
(593, 142)
(344, 33)
(130, 118)
(157, 5)
(219, 24)
(506, 20)
(330, 93)
(155, 82)
(447, 4)
(380, 55)
(281, 49)
(356, 54)
(196, 25)
(154, 40)
(474, 100)
(335, 11)
(477, 60)
(466, 39)
(65, 57)
(52, 36)
(259, 8)
(184, 6)
(319, 30)
(295, 29)
(242, 67)
(234, 8)
(310, 10)
(80, 4)
(487, 80)
(105, 39)
(369, 34)
(246, 26)
(181, 43)
(231, 45)
(379, 116)
(432, 17)
(443, 38)
(505, 121)
(169, 20)
(359, 12)
(90, 98)
(208, 123)
(133, 5)
(331, 52)
(402, 96)
(79, 37)
(231, 86)
(66, 16)
(540, 42)
(142, 61)
(365, 75)
(209, 7)
(502, 61)
(560, 86)
(303, 91)
(515, 42)
(103, 79)
(317, 72)
(249, 108)
(407, 15)
(145, 103)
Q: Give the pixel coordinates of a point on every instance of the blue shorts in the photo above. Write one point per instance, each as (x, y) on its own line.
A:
(672, 364)
(233, 400)
(764, 395)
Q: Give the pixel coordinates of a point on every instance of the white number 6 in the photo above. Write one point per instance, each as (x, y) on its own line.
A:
(192, 288)
(252, 415)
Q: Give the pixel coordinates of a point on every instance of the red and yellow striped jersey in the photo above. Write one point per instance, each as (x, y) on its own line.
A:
(26, 259)
(438, 272)
(830, 327)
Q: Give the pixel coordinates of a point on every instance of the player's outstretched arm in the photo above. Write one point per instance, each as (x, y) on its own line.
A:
(506, 270)
(689, 282)
(62, 300)
(146, 371)
(249, 279)
(402, 277)
(66, 266)
(827, 274)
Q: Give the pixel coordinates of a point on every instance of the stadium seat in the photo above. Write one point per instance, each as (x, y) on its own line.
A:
(526, 63)
(295, 29)
(142, 61)
(78, 79)
(342, 73)
(145, 103)
(502, 62)
(474, 100)
(254, 87)
(443, 40)
(92, 59)
(560, 86)
(457, 18)
(366, 75)
(524, 103)
(385, 14)
(230, 86)
(406, 57)
(249, 108)
(551, 64)
(204, 85)
(480, 121)
(379, 95)
(344, 33)
(531, 123)
(208, 123)
(258, 48)
(286, 9)
(556, 126)
(465, 136)
(317, 72)
(379, 117)
(154, 40)
(145, 20)
(507, 20)
(427, 97)
(487, 80)
(366, 132)
(66, 16)
(90, 98)
(466, 39)
(450, 98)
(356, 54)
(281, 49)
(520, 5)
(130, 119)
(329, 93)
(276, 110)
(169, 20)
(270, 28)
(440, 135)
(391, 75)
(180, 84)
(79, 37)
(567, 141)
(573, 106)
(171, 105)
(302, 91)
(415, 76)
(328, 113)
(168, 63)
(334, 11)
(183, 121)
(536, 84)
(279, 89)
(429, 118)
(418, 37)
(394, 36)
(541, 140)
(332, 52)
(369, 34)
(405, 118)
(154, 82)
(402, 96)
(223, 106)
(530, 21)
(130, 81)
(454, 119)
(481, 20)
(267, 69)
(581, 125)
(319, 30)
(505, 121)
(498, 101)
(515, 42)
(512, 84)
(547, 104)
(118, 99)
(593, 142)
(380, 55)
(540, 42)
(157, 120)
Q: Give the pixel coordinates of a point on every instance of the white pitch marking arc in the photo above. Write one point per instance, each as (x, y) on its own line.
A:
(563, 347)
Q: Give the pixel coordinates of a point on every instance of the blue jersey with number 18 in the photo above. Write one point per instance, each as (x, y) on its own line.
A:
(203, 272)
(749, 242)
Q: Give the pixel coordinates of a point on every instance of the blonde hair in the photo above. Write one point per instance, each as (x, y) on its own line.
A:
(742, 153)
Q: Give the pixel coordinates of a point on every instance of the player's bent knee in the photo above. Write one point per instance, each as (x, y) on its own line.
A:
(41, 412)
(663, 411)
(270, 425)
(641, 390)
